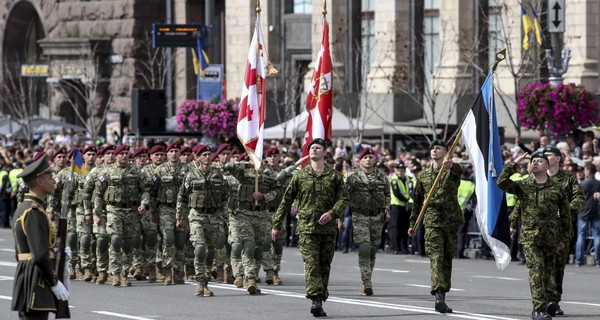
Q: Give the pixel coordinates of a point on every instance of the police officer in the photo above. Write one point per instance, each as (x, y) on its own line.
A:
(543, 216)
(321, 197)
(36, 284)
(369, 194)
(466, 200)
(400, 185)
(441, 219)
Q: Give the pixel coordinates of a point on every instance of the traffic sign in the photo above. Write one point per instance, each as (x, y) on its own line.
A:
(556, 16)
(178, 35)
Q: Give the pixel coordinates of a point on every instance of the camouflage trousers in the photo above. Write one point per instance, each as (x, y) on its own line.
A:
(540, 262)
(555, 289)
(84, 232)
(173, 239)
(223, 249)
(235, 258)
(440, 246)
(102, 243)
(317, 253)
(72, 238)
(150, 243)
(367, 235)
(249, 232)
(204, 237)
(137, 253)
(120, 225)
(272, 249)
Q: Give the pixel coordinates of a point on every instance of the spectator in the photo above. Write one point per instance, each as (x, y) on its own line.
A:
(588, 216)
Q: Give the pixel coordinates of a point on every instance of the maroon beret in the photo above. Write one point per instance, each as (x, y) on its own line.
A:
(38, 155)
(213, 157)
(122, 148)
(71, 153)
(59, 151)
(242, 157)
(107, 147)
(89, 149)
(364, 152)
(173, 146)
(222, 147)
(199, 148)
(272, 150)
(155, 149)
(235, 150)
(186, 149)
(139, 151)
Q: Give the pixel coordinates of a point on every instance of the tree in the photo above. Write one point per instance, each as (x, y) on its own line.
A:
(287, 93)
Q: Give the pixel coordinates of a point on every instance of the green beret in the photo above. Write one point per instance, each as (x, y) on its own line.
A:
(538, 154)
(36, 169)
(319, 141)
(438, 142)
(552, 149)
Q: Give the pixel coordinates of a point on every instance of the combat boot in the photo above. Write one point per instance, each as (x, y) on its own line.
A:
(131, 270)
(440, 303)
(540, 315)
(80, 274)
(190, 272)
(168, 280)
(269, 277)
(228, 275)
(276, 280)
(116, 281)
(366, 288)
(199, 289)
(151, 275)
(220, 276)
(125, 282)
(207, 292)
(178, 277)
(239, 282)
(317, 308)
(146, 270)
(551, 308)
(160, 273)
(102, 276)
(139, 274)
(251, 286)
(87, 275)
(72, 275)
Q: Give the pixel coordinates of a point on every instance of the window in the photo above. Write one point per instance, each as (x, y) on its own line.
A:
(494, 30)
(431, 39)
(367, 38)
(302, 6)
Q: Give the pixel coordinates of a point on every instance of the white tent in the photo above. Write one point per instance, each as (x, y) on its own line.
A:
(296, 127)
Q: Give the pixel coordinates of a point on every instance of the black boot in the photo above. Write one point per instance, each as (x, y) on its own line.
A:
(559, 311)
(551, 308)
(440, 303)
(317, 308)
(540, 315)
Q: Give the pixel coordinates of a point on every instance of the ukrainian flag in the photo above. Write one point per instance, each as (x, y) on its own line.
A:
(527, 27)
(200, 59)
(77, 163)
(538, 27)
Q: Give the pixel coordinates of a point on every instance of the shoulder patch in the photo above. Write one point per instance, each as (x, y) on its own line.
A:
(154, 178)
(186, 185)
(57, 179)
(101, 178)
(88, 178)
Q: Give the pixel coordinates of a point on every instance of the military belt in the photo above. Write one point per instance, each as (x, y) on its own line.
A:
(250, 206)
(122, 205)
(206, 210)
(29, 256)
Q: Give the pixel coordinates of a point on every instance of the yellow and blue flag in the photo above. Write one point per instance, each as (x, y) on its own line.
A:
(527, 27)
(538, 27)
(200, 59)
(77, 164)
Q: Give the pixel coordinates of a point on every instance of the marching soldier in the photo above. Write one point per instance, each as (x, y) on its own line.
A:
(150, 229)
(140, 160)
(369, 198)
(84, 222)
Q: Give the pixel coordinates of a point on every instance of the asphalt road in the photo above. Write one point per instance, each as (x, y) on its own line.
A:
(401, 286)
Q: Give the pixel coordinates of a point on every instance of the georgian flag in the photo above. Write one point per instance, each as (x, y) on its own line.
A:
(318, 101)
(251, 117)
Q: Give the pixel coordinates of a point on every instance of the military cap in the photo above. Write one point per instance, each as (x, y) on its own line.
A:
(213, 157)
(36, 169)
(186, 149)
(199, 148)
(272, 150)
(155, 149)
(416, 167)
(59, 151)
(235, 150)
(242, 157)
(224, 146)
(122, 148)
(173, 146)
(319, 141)
(89, 149)
(552, 149)
(38, 155)
(139, 151)
(538, 154)
(400, 165)
(71, 153)
(438, 142)
(364, 152)
(106, 148)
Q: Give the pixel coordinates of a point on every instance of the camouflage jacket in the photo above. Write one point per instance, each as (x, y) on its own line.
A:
(572, 189)
(120, 187)
(317, 193)
(87, 192)
(234, 185)
(166, 183)
(369, 192)
(63, 178)
(443, 209)
(205, 192)
(245, 174)
(542, 208)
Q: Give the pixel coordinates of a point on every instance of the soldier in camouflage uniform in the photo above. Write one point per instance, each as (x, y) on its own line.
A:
(84, 221)
(140, 160)
(369, 198)
(248, 233)
(107, 153)
(122, 189)
(187, 158)
(150, 228)
(441, 219)
(575, 197)
(543, 227)
(166, 181)
(59, 162)
(200, 200)
(322, 198)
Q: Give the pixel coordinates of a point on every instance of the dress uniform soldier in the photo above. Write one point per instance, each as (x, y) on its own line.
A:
(200, 200)
(369, 194)
(321, 197)
(84, 222)
(150, 229)
(21, 187)
(36, 286)
(441, 220)
(544, 217)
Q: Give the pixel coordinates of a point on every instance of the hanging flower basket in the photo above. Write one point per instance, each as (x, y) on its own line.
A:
(211, 118)
(559, 110)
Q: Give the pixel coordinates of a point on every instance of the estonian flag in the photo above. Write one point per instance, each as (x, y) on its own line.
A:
(77, 163)
(482, 141)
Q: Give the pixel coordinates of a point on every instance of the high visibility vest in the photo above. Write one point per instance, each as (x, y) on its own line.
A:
(466, 189)
(2, 175)
(403, 186)
(12, 177)
(511, 200)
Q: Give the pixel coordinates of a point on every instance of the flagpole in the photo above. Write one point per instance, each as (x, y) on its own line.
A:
(499, 57)
(258, 89)
(324, 12)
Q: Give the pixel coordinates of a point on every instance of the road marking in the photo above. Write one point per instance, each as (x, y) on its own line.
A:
(5, 297)
(391, 270)
(417, 261)
(8, 264)
(582, 303)
(8, 250)
(121, 315)
(499, 278)
(426, 286)
(5, 278)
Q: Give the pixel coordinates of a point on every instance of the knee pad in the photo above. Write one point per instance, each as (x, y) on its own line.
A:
(85, 242)
(249, 248)
(127, 245)
(236, 250)
(180, 239)
(136, 242)
(200, 251)
(278, 246)
(373, 252)
(72, 240)
(151, 238)
(116, 241)
(102, 243)
(258, 253)
(266, 245)
(364, 250)
(168, 238)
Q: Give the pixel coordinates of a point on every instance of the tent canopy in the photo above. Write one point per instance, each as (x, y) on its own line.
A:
(296, 127)
(38, 125)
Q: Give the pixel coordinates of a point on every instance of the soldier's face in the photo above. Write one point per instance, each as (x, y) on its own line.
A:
(141, 160)
(316, 152)
(225, 156)
(123, 158)
(552, 158)
(438, 152)
(539, 165)
(368, 161)
(186, 157)
(60, 160)
(273, 159)
(233, 157)
(89, 157)
(157, 158)
(109, 157)
(174, 155)
(204, 158)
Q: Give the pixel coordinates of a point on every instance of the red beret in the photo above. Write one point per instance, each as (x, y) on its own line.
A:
(59, 151)
(222, 147)
(173, 146)
(71, 153)
(89, 149)
(122, 148)
(186, 149)
(235, 150)
(155, 149)
(107, 147)
(199, 148)
(364, 152)
(38, 155)
(242, 157)
(214, 156)
(139, 151)
(272, 150)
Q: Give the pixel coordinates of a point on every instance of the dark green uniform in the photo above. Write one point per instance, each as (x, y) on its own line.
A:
(317, 193)
(542, 227)
(441, 220)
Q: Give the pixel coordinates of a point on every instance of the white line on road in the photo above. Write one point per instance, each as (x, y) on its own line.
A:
(417, 261)
(582, 303)
(499, 278)
(391, 270)
(8, 264)
(120, 315)
(8, 250)
(426, 286)
(5, 278)
(5, 297)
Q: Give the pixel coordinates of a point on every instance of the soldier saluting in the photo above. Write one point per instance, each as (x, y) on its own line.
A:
(36, 284)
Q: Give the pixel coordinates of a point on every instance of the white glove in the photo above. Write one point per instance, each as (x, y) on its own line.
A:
(60, 292)
(68, 253)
